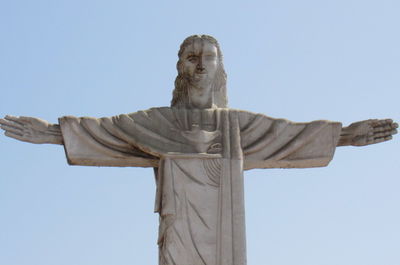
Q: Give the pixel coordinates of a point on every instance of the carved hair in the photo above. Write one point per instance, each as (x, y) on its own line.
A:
(181, 95)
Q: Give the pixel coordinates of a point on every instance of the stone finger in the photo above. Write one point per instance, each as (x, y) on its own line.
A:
(371, 139)
(383, 139)
(387, 133)
(380, 123)
(378, 129)
(383, 128)
(390, 131)
(11, 129)
(11, 123)
(13, 118)
(22, 137)
(379, 140)
(387, 127)
(387, 138)
(379, 135)
(3, 121)
(15, 136)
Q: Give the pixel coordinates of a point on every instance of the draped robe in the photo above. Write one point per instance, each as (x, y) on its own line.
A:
(200, 194)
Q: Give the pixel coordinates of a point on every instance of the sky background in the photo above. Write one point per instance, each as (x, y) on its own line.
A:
(301, 60)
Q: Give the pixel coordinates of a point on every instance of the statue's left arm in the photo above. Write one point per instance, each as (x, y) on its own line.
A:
(278, 143)
(269, 143)
(367, 132)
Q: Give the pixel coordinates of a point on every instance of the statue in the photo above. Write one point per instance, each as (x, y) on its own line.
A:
(199, 149)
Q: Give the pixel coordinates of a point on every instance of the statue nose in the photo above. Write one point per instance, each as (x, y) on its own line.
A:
(200, 66)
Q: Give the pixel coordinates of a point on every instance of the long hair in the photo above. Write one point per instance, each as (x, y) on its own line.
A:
(181, 94)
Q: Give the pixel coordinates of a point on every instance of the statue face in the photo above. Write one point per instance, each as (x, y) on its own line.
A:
(200, 62)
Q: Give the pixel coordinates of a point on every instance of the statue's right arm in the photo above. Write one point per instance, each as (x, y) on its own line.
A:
(31, 130)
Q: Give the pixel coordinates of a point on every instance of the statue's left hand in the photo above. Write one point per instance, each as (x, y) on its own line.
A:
(368, 132)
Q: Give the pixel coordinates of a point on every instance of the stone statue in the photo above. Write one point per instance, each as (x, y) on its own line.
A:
(198, 148)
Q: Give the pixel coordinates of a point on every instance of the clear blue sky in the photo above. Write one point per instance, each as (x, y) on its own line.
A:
(301, 60)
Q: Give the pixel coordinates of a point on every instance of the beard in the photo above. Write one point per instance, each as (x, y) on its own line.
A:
(198, 80)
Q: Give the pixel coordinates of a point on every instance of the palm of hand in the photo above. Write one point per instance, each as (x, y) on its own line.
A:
(371, 131)
(362, 133)
(35, 129)
(29, 129)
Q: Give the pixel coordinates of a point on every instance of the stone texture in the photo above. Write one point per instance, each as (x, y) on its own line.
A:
(199, 149)
(199, 195)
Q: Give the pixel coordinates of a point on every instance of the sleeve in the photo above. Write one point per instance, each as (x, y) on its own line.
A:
(96, 142)
(278, 143)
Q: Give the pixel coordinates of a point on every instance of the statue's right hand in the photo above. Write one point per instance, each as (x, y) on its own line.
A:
(31, 130)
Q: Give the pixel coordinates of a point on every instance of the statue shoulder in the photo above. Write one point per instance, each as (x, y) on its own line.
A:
(246, 117)
(147, 112)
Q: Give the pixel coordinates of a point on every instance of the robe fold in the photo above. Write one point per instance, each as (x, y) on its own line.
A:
(200, 195)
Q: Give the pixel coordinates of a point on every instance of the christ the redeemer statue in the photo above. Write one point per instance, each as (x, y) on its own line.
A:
(199, 148)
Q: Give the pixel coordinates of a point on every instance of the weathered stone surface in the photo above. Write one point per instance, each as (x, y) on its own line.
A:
(200, 194)
(199, 149)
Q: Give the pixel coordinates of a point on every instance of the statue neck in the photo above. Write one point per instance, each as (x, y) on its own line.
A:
(200, 97)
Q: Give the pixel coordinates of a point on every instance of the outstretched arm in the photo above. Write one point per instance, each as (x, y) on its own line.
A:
(31, 130)
(368, 132)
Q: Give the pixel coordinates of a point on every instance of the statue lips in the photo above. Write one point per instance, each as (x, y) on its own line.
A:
(201, 139)
(199, 76)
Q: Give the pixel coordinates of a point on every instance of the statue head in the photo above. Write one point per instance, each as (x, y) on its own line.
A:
(200, 73)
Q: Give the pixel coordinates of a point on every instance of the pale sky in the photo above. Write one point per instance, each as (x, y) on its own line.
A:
(301, 60)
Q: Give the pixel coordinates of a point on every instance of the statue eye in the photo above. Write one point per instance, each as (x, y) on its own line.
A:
(192, 59)
(210, 57)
